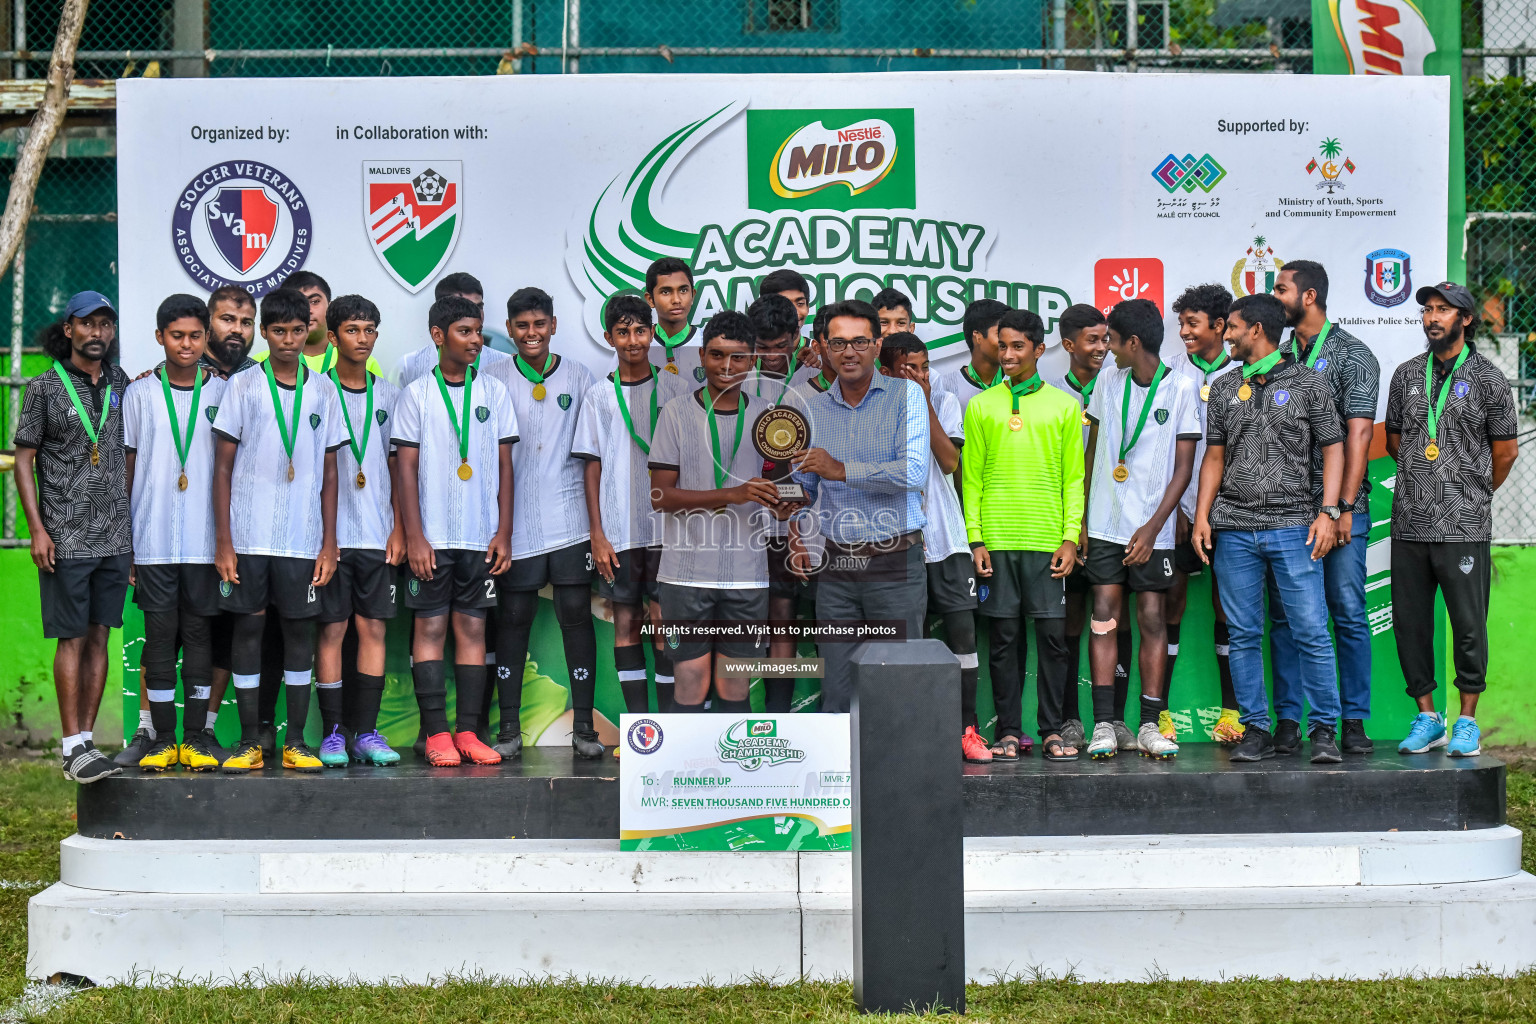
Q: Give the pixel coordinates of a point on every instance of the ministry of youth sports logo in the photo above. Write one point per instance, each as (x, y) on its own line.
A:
(244, 223)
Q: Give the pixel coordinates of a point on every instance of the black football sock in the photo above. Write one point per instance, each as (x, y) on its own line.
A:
(779, 694)
(1173, 656)
(365, 704)
(431, 681)
(331, 701)
(573, 611)
(248, 703)
(1151, 708)
(1070, 708)
(1224, 665)
(629, 666)
(296, 693)
(734, 707)
(1103, 704)
(514, 623)
(161, 630)
(1123, 665)
(196, 671)
(469, 688)
(664, 680)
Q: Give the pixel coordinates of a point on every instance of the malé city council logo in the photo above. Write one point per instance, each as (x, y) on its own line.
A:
(1187, 173)
(241, 222)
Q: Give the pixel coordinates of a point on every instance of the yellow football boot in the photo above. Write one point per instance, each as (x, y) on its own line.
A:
(163, 756)
(1228, 731)
(246, 758)
(1165, 725)
(195, 754)
(301, 759)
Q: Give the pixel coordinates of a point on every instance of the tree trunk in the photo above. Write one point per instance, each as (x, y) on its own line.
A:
(41, 133)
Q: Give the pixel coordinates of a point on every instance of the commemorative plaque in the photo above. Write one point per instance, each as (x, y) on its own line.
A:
(778, 434)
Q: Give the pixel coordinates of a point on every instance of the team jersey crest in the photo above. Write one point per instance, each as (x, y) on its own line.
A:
(411, 211)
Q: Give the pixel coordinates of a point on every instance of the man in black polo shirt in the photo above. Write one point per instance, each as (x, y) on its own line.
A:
(71, 433)
(1354, 377)
(1451, 427)
(1256, 497)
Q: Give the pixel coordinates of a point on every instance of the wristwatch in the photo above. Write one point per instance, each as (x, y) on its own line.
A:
(1331, 511)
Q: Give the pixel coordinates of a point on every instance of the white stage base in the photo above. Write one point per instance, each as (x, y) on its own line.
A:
(1105, 908)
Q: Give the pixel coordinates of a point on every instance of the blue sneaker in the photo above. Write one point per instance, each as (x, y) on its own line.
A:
(370, 748)
(333, 749)
(1428, 732)
(1465, 737)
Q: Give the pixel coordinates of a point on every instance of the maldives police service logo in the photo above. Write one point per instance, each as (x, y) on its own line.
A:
(411, 213)
(645, 737)
(241, 222)
(1387, 281)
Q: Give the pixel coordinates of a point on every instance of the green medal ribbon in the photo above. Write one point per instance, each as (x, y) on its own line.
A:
(670, 343)
(358, 450)
(93, 432)
(1025, 388)
(1263, 365)
(1085, 390)
(722, 468)
(531, 375)
(1211, 367)
(289, 433)
(783, 386)
(183, 442)
(970, 375)
(820, 381)
(629, 423)
(1317, 344)
(1437, 408)
(328, 360)
(1127, 443)
(460, 424)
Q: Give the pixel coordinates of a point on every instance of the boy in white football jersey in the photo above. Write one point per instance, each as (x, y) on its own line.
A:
(453, 430)
(669, 291)
(169, 444)
(370, 537)
(1202, 313)
(274, 510)
(613, 436)
(550, 541)
(708, 478)
(946, 553)
(1144, 424)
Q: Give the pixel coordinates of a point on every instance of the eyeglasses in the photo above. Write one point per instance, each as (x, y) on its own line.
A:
(857, 344)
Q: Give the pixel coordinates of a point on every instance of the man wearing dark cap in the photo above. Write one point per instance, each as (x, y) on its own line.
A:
(71, 435)
(1451, 427)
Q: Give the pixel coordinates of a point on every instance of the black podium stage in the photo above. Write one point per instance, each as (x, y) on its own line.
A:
(549, 794)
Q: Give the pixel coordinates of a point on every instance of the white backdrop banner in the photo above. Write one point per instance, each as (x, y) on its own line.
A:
(1038, 188)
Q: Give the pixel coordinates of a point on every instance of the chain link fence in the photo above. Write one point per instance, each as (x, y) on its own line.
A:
(71, 241)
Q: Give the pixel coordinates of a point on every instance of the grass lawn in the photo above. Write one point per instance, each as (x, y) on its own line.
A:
(37, 810)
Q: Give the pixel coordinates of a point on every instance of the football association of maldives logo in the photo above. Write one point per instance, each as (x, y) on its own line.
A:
(411, 212)
(241, 222)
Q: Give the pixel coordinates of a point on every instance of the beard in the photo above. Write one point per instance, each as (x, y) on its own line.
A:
(1441, 345)
(228, 350)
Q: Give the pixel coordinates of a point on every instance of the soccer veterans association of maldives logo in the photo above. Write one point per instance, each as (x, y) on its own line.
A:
(645, 737)
(1256, 271)
(1387, 281)
(244, 223)
(412, 214)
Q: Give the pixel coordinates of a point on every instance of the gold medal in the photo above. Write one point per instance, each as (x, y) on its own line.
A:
(1121, 474)
(671, 368)
(465, 472)
(1086, 421)
(539, 392)
(1016, 422)
(1205, 392)
(181, 482)
(1431, 451)
(1244, 393)
(95, 455)
(362, 481)
(290, 472)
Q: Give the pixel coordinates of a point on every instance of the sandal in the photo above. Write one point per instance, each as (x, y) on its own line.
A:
(1006, 749)
(1052, 749)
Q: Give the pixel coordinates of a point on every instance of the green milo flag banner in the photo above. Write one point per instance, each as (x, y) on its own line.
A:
(1402, 37)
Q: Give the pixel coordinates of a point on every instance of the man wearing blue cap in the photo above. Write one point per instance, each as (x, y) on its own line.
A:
(71, 435)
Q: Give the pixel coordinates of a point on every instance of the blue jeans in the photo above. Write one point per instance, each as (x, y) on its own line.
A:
(1243, 560)
(1344, 586)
